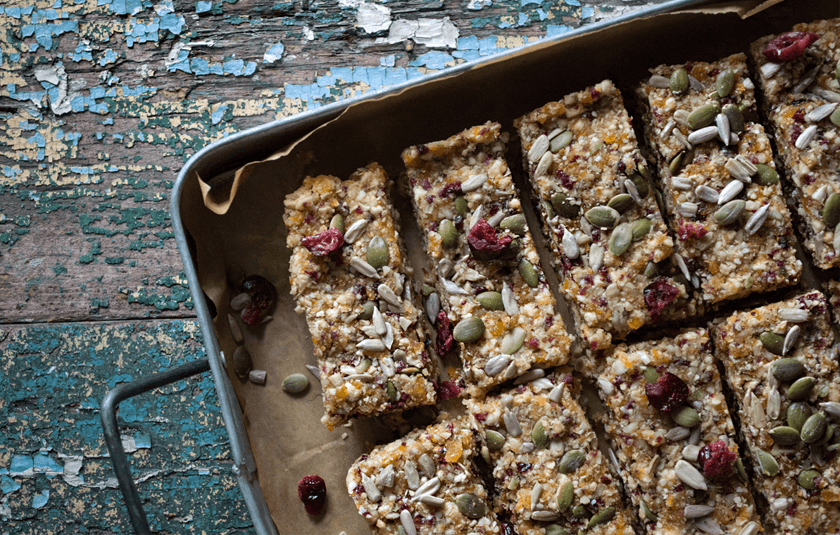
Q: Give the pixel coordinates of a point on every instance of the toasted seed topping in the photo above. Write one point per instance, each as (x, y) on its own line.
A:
(766, 175)
(474, 182)
(639, 229)
(820, 112)
(685, 416)
(658, 81)
(786, 436)
(601, 517)
(766, 462)
(468, 329)
(530, 375)
(528, 273)
(596, 256)
(433, 306)
(813, 428)
(511, 423)
(556, 393)
(429, 487)
(724, 83)
(509, 300)
(242, 363)
(337, 222)
(697, 511)
(363, 267)
(621, 239)
(752, 528)
(797, 414)
(786, 369)
(648, 513)
(688, 209)
(806, 137)
(807, 479)
(452, 288)
(794, 315)
(678, 84)
(621, 202)
(515, 223)
(513, 341)
(496, 364)
(537, 149)
(295, 383)
(570, 245)
(690, 475)
(773, 342)
(691, 453)
(722, 124)
(709, 526)
(386, 293)
(707, 194)
(494, 439)
(571, 461)
(543, 165)
(544, 516)
(703, 116)
(774, 404)
(676, 434)
(730, 212)
(356, 230)
(407, 522)
(730, 191)
(603, 216)
(831, 210)
(702, 135)
(757, 220)
(378, 253)
(561, 141)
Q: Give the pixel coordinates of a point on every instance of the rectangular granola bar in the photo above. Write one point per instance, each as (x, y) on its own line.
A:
(548, 472)
(488, 272)
(783, 372)
(609, 239)
(424, 483)
(717, 172)
(348, 276)
(801, 91)
(674, 438)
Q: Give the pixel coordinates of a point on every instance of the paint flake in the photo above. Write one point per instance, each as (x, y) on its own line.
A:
(434, 33)
(274, 53)
(373, 18)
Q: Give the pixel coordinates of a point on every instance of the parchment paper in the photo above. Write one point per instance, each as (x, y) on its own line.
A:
(235, 220)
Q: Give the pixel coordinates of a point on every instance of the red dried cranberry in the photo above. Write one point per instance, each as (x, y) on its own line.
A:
(690, 230)
(658, 295)
(262, 295)
(716, 460)
(325, 242)
(788, 46)
(448, 390)
(313, 493)
(444, 334)
(667, 393)
(483, 240)
(453, 188)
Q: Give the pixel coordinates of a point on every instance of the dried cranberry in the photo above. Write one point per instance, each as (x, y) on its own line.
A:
(448, 390)
(690, 230)
(444, 334)
(716, 460)
(788, 46)
(667, 393)
(325, 242)
(658, 295)
(484, 243)
(262, 295)
(453, 188)
(313, 493)
(507, 529)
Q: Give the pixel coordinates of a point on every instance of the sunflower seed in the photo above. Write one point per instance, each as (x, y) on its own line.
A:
(529, 376)
(658, 81)
(759, 417)
(537, 150)
(633, 190)
(363, 267)
(570, 245)
(429, 487)
(543, 165)
(511, 424)
(496, 364)
(677, 433)
(596, 256)
(687, 209)
(433, 307)
(707, 194)
(411, 476)
(668, 129)
(751, 528)
(691, 453)
(536, 492)
(556, 394)
(709, 526)
(757, 220)
(509, 300)
(690, 475)
(790, 338)
(371, 489)
(794, 315)
(511, 371)
(806, 80)
(386, 293)
(496, 219)
(388, 339)
(407, 522)
(606, 387)
(779, 504)
(702, 135)
(730, 191)
(806, 137)
(769, 69)
(474, 182)
(821, 112)
(386, 477)
(680, 183)
(836, 241)
(378, 321)
(831, 408)
(371, 345)
(684, 141)
(722, 123)
(356, 230)
(681, 264)
(452, 288)
(697, 511)
(544, 516)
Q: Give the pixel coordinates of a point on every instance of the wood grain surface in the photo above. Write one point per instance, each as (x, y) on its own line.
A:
(101, 103)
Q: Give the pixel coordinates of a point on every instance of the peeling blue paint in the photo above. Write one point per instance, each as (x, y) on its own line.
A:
(556, 29)
(8, 485)
(20, 464)
(433, 60)
(203, 7)
(41, 499)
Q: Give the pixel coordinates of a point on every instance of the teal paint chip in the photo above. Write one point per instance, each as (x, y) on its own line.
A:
(20, 465)
(41, 499)
(8, 485)
(203, 7)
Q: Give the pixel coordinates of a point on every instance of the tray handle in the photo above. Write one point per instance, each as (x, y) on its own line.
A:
(113, 440)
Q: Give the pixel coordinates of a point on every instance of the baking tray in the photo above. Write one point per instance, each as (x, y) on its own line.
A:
(431, 108)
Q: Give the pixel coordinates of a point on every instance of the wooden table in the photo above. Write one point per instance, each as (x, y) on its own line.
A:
(101, 103)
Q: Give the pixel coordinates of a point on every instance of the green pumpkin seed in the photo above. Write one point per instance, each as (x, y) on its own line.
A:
(242, 363)
(621, 238)
(378, 253)
(730, 212)
(620, 202)
(401, 530)
(835, 117)
(337, 222)
(686, 417)
(807, 479)
(831, 210)
(367, 311)
(773, 342)
(554, 529)
(786, 436)
(651, 375)
(650, 515)
(513, 341)
(571, 461)
(640, 228)
(603, 216)
(560, 141)
(563, 206)
(448, 233)
(295, 383)
(539, 436)
(678, 84)
(703, 116)
(724, 83)
(601, 517)
(490, 300)
(567, 495)
(641, 182)
(515, 223)
(529, 274)
(651, 270)
(468, 329)
(461, 206)
(740, 470)
(580, 511)
(768, 464)
(735, 116)
(513, 484)
(801, 388)
(765, 175)
(494, 439)
(364, 365)
(676, 163)
(392, 392)
(788, 369)
(471, 506)
(797, 414)
(813, 428)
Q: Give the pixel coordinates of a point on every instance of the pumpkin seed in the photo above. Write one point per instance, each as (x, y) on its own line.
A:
(801, 388)
(724, 83)
(567, 495)
(651, 375)
(580, 511)
(797, 414)
(648, 513)
(496, 364)
(392, 392)
(736, 119)
(831, 210)
(813, 428)
(295, 383)
(640, 228)
(773, 342)
(601, 517)
(529, 274)
(678, 84)
(786, 436)
(689, 475)
(461, 206)
(471, 506)
(554, 529)
(685, 416)
(765, 175)
(641, 182)
(337, 222)
(730, 212)
(703, 116)
(378, 253)
(651, 270)
(448, 233)
(515, 223)
(561, 141)
(539, 436)
(621, 202)
(677, 163)
(697, 510)
(768, 464)
(571, 461)
(603, 216)
(620, 239)
(835, 117)
(807, 479)
(787, 369)
(494, 439)
(513, 341)
(563, 206)
(468, 329)
(242, 363)
(490, 300)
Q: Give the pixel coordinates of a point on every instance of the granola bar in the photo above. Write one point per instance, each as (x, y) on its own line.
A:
(348, 276)
(548, 472)
(783, 372)
(609, 238)
(674, 438)
(717, 172)
(489, 278)
(799, 83)
(424, 483)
